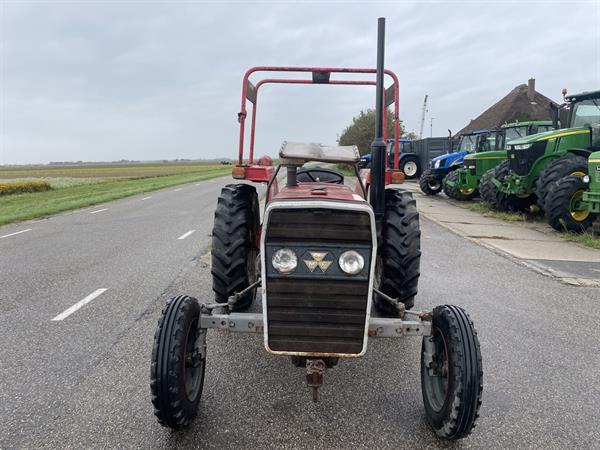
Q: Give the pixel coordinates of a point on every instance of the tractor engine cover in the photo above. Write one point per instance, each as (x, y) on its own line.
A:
(311, 306)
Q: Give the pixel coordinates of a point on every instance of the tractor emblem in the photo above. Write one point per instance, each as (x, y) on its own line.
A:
(317, 261)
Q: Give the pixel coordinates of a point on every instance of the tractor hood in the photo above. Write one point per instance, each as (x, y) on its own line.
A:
(447, 160)
(497, 154)
(546, 135)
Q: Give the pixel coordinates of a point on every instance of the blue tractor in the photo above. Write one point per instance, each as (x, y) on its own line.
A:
(440, 166)
(408, 160)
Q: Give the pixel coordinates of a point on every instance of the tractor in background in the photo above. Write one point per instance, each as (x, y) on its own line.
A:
(321, 257)
(574, 201)
(431, 181)
(409, 160)
(535, 163)
(463, 184)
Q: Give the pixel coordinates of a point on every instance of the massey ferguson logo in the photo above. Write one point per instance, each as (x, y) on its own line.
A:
(317, 261)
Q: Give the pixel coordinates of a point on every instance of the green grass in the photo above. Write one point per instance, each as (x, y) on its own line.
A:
(14, 208)
(485, 210)
(131, 170)
(587, 239)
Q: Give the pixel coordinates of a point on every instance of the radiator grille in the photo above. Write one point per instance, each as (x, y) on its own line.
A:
(318, 314)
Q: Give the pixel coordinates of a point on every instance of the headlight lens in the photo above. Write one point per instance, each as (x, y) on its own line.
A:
(285, 260)
(436, 165)
(351, 262)
(522, 147)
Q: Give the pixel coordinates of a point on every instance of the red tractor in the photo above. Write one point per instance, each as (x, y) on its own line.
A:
(322, 256)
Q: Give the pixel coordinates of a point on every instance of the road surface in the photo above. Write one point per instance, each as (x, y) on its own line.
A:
(80, 295)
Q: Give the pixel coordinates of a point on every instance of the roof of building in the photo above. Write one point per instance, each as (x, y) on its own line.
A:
(515, 106)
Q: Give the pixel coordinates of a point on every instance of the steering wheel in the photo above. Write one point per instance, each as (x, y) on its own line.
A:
(319, 175)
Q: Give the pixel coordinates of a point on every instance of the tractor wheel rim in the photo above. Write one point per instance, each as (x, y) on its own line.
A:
(577, 173)
(410, 168)
(193, 364)
(437, 385)
(578, 214)
(467, 191)
(434, 184)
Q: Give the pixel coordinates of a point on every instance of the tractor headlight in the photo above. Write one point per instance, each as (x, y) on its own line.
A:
(586, 179)
(351, 262)
(285, 260)
(522, 146)
(436, 165)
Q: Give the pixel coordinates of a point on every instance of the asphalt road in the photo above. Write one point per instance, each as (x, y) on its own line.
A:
(84, 381)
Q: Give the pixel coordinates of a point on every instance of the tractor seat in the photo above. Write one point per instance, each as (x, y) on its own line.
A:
(301, 152)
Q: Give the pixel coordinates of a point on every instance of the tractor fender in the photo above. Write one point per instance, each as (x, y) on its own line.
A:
(580, 151)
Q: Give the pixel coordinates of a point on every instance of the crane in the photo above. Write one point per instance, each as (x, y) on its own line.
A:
(423, 116)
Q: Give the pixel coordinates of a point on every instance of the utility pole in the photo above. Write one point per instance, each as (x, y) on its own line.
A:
(431, 127)
(423, 116)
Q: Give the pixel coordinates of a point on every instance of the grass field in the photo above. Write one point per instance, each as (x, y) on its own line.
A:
(79, 186)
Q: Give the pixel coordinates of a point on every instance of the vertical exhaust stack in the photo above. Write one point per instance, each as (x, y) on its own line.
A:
(378, 147)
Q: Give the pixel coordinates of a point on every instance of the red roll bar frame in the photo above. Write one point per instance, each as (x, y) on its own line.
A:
(320, 75)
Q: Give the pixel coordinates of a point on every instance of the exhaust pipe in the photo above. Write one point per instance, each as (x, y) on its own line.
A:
(378, 147)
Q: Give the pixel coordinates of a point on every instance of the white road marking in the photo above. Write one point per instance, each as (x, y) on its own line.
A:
(98, 210)
(67, 312)
(183, 236)
(177, 190)
(146, 198)
(198, 184)
(17, 232)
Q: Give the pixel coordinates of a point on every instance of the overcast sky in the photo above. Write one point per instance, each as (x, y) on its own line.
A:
(107, 80)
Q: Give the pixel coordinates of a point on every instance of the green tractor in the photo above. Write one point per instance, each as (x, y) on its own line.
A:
(535, 163)
(463, 183)
(573, 203)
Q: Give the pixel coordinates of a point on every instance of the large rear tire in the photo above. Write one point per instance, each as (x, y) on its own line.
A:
(234, 243)
(399, 256)
(569, 165)
(430, 184)
(451, 373)
(177, 370)
(561, 201)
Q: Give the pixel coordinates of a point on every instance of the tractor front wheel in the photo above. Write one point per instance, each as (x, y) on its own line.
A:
(431, 184)
(456, 192)
(234, 243)
(451, 373)
(399, 257)
(177, 370)
(563, 211)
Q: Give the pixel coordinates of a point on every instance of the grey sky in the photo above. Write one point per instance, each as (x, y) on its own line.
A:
(108, 80)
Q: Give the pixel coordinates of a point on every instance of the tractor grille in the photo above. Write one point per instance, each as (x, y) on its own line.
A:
(319, 311)
(521, 161)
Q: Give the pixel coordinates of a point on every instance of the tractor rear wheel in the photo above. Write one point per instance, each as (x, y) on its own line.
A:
(399, 257)
(234, 243)
(451, 373)
(177, 370)
(570, 165)
(411, 167)
(561, 202)
(430, 184)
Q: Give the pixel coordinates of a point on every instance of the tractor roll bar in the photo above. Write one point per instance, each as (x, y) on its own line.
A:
(320, 75)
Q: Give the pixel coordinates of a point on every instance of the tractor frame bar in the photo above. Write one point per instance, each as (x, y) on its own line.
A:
(253, 323)
(320, 75)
